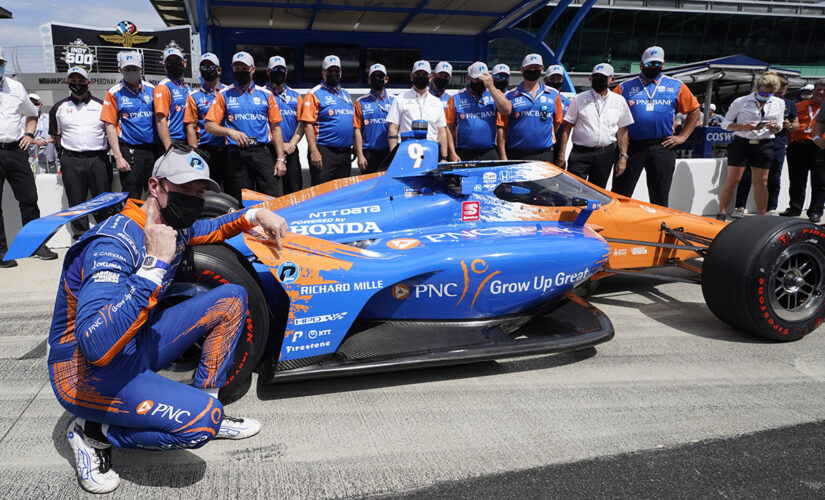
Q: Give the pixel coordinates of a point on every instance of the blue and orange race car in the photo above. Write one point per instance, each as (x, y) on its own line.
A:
(439, 263)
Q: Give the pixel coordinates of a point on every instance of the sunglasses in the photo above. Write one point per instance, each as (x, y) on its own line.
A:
(209, 67)
(186, 148)
(501, 77)
(765, 94)
(652, 64)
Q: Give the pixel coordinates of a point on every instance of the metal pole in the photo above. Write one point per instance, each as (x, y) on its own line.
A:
(708, 95)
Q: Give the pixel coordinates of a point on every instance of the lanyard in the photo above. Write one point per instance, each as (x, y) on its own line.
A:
(340, 94)
(655, 89)
(377, 103)
(812, 117)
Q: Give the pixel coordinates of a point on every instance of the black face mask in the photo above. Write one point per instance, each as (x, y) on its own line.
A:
(333, 80)
(555, 85)
(209, 75)
(242, 77)
(421, 82)
(377, 84)
(182, 210)
(531, 75)
(501, 84)
(652, 72)
(175, 69)
(277, 77)
(441, 83)
(477, 87)
(599, 84)
(78, 89)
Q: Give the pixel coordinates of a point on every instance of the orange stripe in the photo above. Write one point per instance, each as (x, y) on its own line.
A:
(473, 303)
(130, 333)
(196, 418)
(199, 429)
(225, 231)
(466, 282)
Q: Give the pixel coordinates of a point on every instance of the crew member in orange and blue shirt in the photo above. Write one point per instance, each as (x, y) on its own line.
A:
(289, 103)
(194, 118)
(170, 98)
(371, 143)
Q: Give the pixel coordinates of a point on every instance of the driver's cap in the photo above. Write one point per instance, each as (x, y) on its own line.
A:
(180, 167)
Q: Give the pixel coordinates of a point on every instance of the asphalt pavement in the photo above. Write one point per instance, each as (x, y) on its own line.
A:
(677, 405)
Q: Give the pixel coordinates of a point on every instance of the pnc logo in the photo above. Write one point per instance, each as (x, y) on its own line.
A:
(144, 407)
(400, 292)
(403, 243)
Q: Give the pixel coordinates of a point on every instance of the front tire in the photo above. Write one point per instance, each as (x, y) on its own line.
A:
(766, 275)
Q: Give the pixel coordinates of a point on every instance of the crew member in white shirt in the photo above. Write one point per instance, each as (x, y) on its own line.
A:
(753, 119)
(41, 152)
(598, 119)
(418, 104)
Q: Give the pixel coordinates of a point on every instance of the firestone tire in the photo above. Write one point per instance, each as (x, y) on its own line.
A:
(217, 204)
(766, 275)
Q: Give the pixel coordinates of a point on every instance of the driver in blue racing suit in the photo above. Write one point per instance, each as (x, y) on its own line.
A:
(107, 339)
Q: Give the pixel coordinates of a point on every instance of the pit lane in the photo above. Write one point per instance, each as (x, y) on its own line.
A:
(677, 394)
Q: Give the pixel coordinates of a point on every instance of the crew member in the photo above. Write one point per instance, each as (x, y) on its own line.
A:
(599, 120)
(289, 102)
(371, 144)
(197, 105)
(18, 120)
(418, 104)
(103, 370)
(41, 152)
(501, 77)
(128, 112)
(554, 77)
(75, 127)
(441, 76)
(328, 115)
(806, 92)
(471, 116)
(170, 98)
(528, 132)
(654, 100)
(248, 116)
(819, 130)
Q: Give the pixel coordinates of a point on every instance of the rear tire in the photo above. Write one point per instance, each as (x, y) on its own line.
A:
(766, 275)
(217, 204)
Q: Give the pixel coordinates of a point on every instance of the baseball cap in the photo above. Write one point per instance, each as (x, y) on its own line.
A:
(477, 69)
(531, 59)
(180, 167)
(77, 70)
(421, 65)
(501, 68)
(243, 58)
(377, 67)
(35, 97)
(653, 54)
(172, 51)
(809, 86)
(211, 58)
(555, 69)
(444, 67)
(713, 107)
(276, 61)
(603, 69)
(129, 59)
(330, 61)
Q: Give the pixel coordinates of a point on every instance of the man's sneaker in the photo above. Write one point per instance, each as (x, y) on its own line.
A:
(44, 253)
(93, 460)
(738, 213)
(773, 213)
(721, 216)
(238, 428)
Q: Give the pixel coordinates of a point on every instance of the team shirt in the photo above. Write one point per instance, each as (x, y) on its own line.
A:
(565, 104)
(197, 105)
(807, 111)
(371, 117)
(132, 112)
(250, 111)
(332, 113)
(170, 101)
(15, 106)
(597, 119)
(78, 124)
(531, 123)
(289, 102)
(654, 105)
(411, 106)
(746, 109)
(441, 94)
(474, 119)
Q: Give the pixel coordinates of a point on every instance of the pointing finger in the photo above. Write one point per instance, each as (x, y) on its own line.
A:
(151, 211)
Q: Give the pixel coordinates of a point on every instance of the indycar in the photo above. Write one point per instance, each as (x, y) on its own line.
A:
(434, 263)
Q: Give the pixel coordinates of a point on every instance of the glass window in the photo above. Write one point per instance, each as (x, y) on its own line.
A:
(557, 191)
(397, 61)
(314, 54)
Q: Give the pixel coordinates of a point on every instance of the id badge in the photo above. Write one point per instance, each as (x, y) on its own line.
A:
(649, 106)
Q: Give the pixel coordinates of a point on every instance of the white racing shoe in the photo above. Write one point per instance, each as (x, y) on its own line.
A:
(238, 428)
(93, 460)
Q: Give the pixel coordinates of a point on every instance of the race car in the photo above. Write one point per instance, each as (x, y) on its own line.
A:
(435, 263)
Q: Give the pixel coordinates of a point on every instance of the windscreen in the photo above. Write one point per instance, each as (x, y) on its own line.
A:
(557, 191)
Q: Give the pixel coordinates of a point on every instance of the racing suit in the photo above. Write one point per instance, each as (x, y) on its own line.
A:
(107, 339)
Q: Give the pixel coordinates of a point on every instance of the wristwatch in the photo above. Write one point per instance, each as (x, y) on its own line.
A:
(623, 155)
(30, 135)
(280, 159)
(151, 262)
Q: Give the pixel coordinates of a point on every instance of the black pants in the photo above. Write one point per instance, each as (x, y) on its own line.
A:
(294, 178)
(804, 157)
(84, 173)
(658, 163)
(591, 164)
(253, 168)
(142, 160)
(337, 164)
(543, 155)
(217, 162)
(774, 177)
(15, 168)
(375, 159)
(478, 154)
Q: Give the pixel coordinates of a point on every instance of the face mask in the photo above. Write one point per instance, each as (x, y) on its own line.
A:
(175, 69)
(242, 77)
(531, 75)
(501, 84)
(209, 75)
(652, 72)
(78, 89)
(377, 84)
(762, 98)
(599, 84)
(333, 80)
(182, 210)
(441, 83)
(277, 77)
(132, 76)
(420, 82)
(477, 87)
(555, 85)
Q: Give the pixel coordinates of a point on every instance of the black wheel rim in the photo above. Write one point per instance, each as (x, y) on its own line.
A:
(796, 285)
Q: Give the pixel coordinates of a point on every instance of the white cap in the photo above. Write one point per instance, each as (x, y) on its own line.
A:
(130, 58)
(712, 107)
(276, 61)
(377, 67)
(244, 58)
(172, 51)
(603, 69)
(444, 67)
(531, 59)
(653, 54)
(809, 86)
(77, 70)
(35, 97)
(181, 167)
(211, 58)
(555, 69)
(330, 61)
(1, 54)
(501, 68)
(421, 65)
(477, 69)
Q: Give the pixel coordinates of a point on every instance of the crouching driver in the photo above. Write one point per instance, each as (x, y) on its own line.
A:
(107, 339)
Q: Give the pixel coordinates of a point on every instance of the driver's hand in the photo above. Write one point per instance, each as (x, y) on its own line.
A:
(273, 226)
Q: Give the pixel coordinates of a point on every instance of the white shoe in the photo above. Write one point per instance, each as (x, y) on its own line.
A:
(238, 428)
(738, 213)
(773, 212)
(93, 460)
